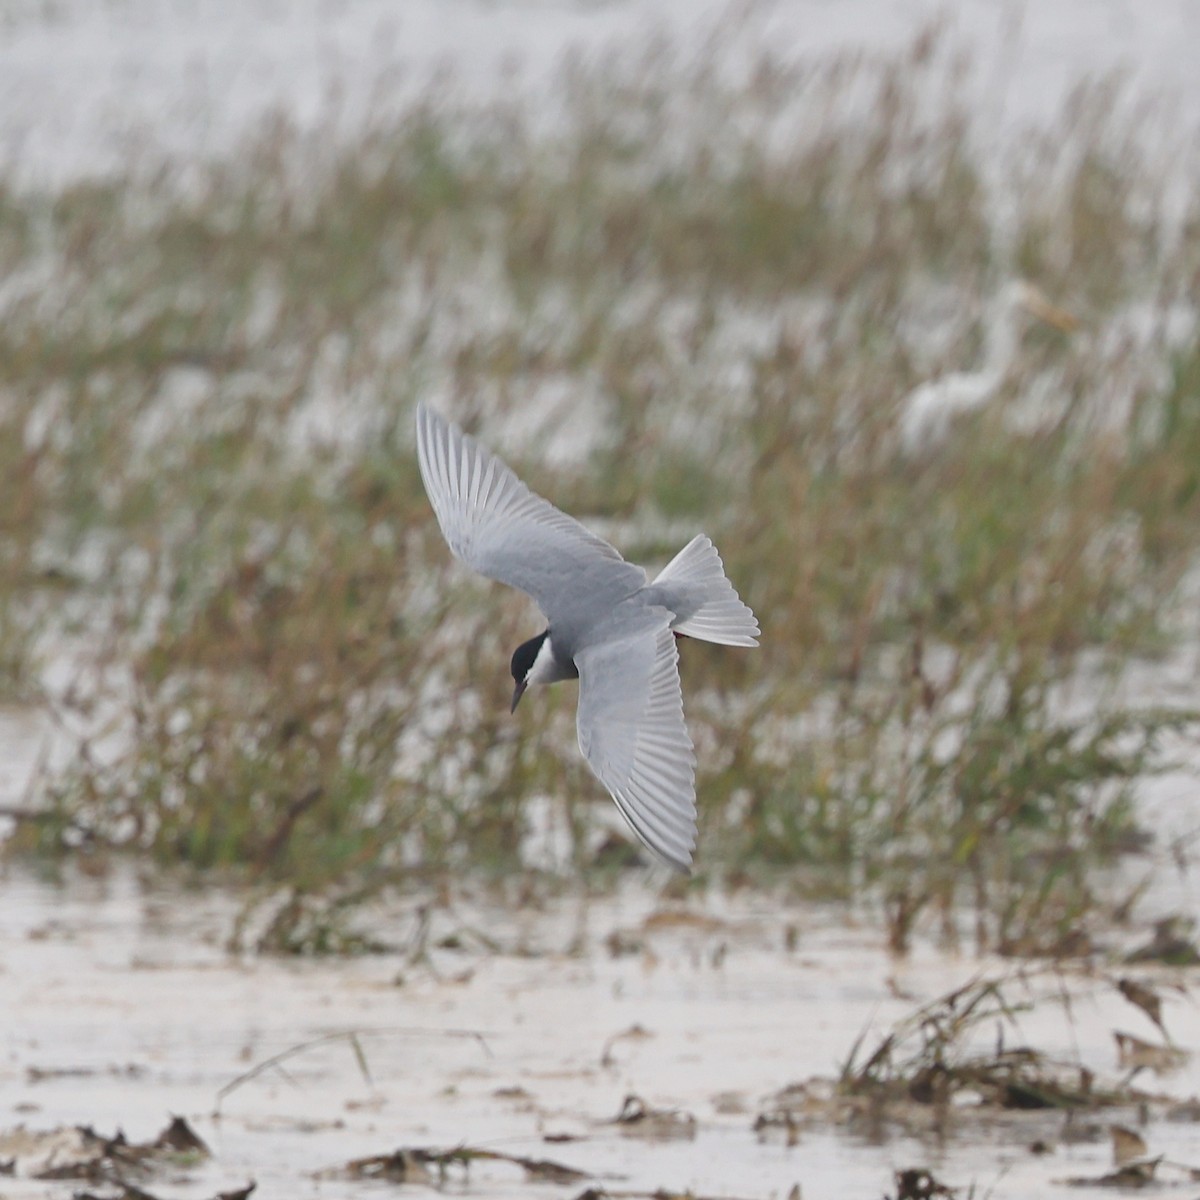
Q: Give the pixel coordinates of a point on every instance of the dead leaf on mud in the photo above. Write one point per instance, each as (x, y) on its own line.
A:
(1136, 1055)
(1130, 1175)
(1145, 998)
(433, 1167)
(638, 1119)
(917, 1183)
(1134, 1167)
(182, 1138)
(401, 1166)
(238, 1193)
(1127, 1145)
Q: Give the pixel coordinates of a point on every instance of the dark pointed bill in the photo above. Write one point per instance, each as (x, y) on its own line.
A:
(518, 692)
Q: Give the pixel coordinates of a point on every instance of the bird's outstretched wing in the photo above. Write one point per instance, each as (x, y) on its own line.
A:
(633, 735)
(496, 525)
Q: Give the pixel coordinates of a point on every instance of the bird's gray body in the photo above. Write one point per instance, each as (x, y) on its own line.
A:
(577, 628)
(607, 624)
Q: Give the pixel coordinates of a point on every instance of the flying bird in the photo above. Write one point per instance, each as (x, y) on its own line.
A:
(608, 625)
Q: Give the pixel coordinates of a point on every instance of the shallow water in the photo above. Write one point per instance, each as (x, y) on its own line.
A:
(85, 85)
(121, 1007)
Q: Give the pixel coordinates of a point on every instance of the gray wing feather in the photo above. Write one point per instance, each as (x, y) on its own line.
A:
(497, 526)
(633, 735)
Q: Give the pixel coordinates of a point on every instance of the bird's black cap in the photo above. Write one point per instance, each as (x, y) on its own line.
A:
(524, 654)
(522, 663)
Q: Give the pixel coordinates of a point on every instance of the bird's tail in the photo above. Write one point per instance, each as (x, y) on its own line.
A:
(710, 608)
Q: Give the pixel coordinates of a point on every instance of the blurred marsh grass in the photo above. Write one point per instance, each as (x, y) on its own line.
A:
(713, 315)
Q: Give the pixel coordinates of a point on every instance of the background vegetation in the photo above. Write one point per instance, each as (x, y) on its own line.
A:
(690, 300)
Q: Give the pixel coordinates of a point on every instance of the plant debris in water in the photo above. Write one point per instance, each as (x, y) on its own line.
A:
(436, 1168)
(932, 1058)
(1134, 1167)
(80, 1153)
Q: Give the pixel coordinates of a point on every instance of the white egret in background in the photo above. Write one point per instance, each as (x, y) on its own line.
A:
(930, 409)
